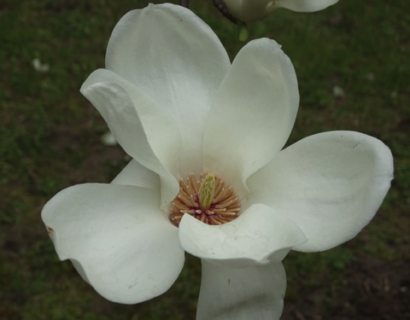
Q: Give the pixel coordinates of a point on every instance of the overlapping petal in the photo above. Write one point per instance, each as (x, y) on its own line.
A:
(241, 293)
(145, 131)
(177, 60)
(135, 174)
(330, 184)
(118, 239)
(305, 5)
(258, 236)
(252, 115)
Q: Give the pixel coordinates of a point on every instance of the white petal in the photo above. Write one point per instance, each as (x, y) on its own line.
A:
(253, 114)
(146, 132)
(241, 293)
(175, 58)
(117, 238)
(137, 175)
(257, 236)
(330, 184)
(38, 66)
(305, 5)
(108, 139)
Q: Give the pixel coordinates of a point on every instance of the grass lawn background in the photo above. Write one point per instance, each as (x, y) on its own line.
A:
(50, 139)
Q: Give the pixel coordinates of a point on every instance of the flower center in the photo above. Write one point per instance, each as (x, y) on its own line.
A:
(207, 200)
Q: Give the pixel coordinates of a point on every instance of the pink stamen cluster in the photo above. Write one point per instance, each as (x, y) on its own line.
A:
(224, 207)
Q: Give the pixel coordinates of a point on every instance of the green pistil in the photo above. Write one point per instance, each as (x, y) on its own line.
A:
(206, 191)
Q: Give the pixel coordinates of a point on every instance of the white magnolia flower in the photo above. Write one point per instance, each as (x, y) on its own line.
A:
(180, 109)
(254, 10)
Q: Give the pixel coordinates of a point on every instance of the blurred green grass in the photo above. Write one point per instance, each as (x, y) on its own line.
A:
(49, 140)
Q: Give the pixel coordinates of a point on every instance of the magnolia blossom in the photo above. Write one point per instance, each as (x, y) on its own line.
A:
(254, 10)
(208, 174)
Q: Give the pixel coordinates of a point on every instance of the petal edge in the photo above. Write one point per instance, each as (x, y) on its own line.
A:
(330, 184)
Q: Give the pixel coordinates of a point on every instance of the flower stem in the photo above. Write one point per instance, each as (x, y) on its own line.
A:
(243, 33)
